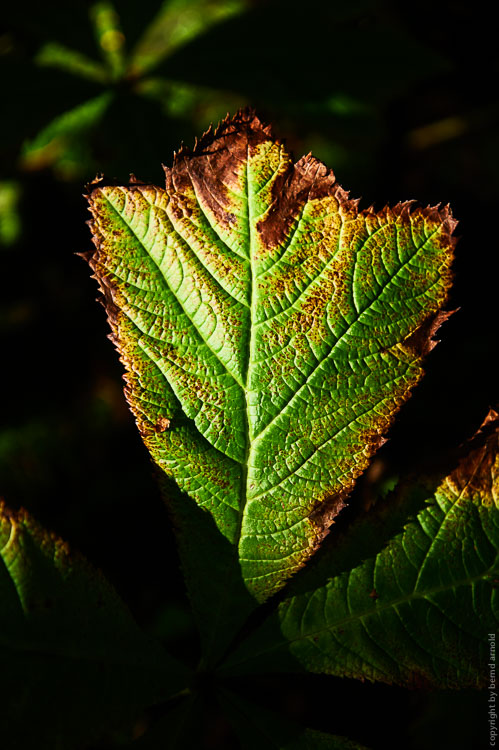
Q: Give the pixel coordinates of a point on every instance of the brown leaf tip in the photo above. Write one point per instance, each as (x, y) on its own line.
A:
(477, 471)
(245, 122)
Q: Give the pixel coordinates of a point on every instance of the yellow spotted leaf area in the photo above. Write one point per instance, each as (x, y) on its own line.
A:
(270, 331)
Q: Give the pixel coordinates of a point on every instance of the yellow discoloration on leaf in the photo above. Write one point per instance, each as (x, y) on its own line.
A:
(276, 327)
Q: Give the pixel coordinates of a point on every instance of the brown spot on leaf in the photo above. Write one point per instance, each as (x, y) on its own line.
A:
(162, 424)
(210, 168)
(307, 180)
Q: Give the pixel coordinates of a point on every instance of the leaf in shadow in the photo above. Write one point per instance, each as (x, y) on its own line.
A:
(73, 659)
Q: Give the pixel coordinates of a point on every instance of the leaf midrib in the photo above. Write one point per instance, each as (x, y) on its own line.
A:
(243, 490)
(250, 345)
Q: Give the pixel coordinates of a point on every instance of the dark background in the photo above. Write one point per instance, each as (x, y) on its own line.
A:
(399, 98)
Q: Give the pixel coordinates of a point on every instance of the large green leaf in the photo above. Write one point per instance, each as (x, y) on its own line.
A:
(419, 611)
(73, 659)
(270, 331)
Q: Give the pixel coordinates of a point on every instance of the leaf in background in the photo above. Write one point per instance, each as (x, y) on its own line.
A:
(419, 611)
(270, 331)
(63, 143)
(294, 64)
(55, 55)
(109, 37)
(96, 60)
(10, 220)
(176, 24)
(258, 728)
(73, 659)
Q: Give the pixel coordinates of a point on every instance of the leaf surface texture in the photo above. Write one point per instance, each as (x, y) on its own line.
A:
(270, 331)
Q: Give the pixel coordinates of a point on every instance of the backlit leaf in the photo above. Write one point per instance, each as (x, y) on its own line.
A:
(270, 331)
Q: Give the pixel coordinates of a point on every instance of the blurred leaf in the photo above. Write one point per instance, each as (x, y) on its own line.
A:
(177, 23)
(109, 36)
(34, 96)
(55, 55)
(10, 219)
(287, 67)
(69, 143)
(63, 144)
(198, 106)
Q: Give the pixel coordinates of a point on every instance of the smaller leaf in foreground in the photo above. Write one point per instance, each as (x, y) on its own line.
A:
(258, 728)
(73, 659)
(418, 612)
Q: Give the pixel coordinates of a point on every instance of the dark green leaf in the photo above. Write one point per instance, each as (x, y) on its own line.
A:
(73, 659)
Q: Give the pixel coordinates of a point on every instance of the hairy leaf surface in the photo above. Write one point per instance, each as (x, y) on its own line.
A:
(419, 611)
(270, 330)
(73, 659)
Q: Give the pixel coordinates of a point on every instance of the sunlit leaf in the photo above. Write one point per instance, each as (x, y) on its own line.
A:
(270, 331)
(419, 611)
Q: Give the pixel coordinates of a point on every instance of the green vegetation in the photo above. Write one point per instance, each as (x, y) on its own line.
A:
(309, 559)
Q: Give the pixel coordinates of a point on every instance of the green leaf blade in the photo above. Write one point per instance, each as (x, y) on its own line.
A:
(418, 612)
(288, 328)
